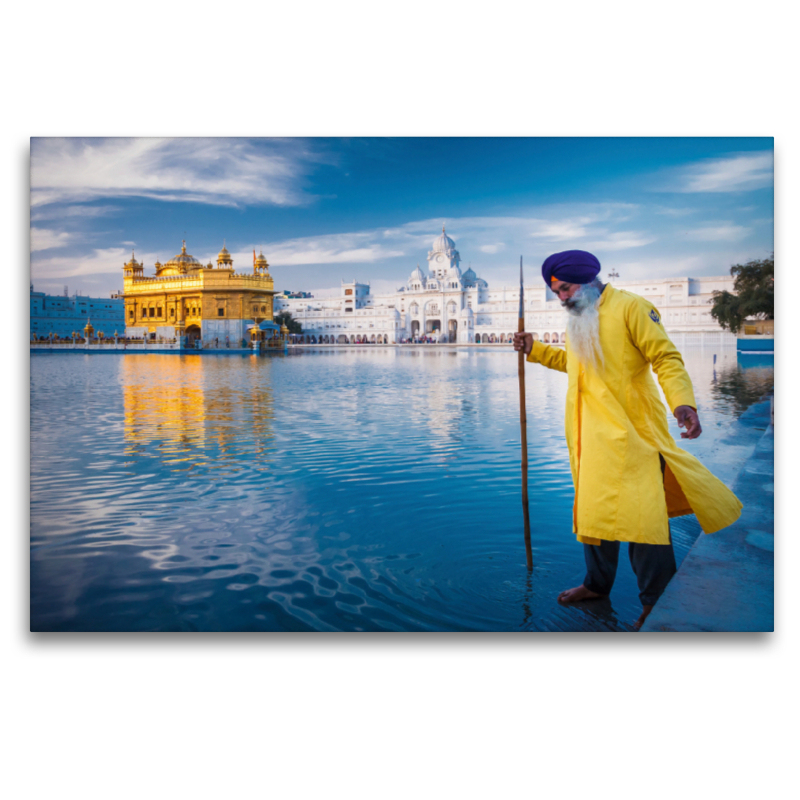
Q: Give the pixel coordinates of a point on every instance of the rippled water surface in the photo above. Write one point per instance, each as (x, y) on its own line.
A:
(357, 490)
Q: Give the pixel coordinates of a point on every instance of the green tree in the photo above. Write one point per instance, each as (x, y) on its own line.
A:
(285, 318)
(754, 295)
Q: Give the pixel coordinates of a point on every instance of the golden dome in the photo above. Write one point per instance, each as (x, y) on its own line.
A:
(184, 261)
(224, 258)
(133, 262)
(262, 259)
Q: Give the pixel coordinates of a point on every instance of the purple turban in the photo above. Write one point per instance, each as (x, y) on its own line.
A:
(571, 266)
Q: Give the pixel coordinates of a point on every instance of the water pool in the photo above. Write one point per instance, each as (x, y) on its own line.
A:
(341, 489)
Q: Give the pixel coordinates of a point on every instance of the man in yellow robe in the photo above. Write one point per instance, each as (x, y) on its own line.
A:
(629, 474)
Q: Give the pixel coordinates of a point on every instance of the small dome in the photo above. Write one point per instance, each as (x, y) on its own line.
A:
(262, 259)
(418, 275)
(157, 264)
(465, 312)
(133, 262)
(184, 261)
(443, 243)
(224, 256)
(469, 275)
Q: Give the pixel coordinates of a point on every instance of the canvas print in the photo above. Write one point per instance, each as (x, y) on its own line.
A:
(402, 384)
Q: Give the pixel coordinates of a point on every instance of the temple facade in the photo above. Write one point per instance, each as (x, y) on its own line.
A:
(444, 304)
(186, 300)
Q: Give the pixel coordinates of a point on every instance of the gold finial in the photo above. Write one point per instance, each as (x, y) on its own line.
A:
(443, 227)
(183, 249)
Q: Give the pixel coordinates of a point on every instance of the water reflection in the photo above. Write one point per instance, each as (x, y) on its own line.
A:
(338, 490)
(191, 416)
(737, 386)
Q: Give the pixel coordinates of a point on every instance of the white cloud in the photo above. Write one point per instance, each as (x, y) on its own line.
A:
(214, 171)
(99, 261)
(724, 232)
(621, 240)
(735, 173)
(558, 231)
(492, 248)
(340, 248)
(66, 212)
(46, 239)
(675, 212)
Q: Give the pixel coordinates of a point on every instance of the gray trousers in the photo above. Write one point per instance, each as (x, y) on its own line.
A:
(653, 564)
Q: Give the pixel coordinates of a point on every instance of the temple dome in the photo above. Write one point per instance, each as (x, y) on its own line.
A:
(418, 275)
(443, 243)
(184, 261)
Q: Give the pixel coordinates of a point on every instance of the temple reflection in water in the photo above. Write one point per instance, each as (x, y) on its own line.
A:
(187, 416)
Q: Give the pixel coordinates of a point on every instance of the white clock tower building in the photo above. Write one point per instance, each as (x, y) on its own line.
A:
(444, 259)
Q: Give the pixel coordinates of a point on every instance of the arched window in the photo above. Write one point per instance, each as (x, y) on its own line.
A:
(547, 338)
(563, 338)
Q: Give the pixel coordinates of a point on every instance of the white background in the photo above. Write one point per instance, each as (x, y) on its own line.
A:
(590, 716)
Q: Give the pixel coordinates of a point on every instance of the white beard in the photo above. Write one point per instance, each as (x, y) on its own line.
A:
(583, 325)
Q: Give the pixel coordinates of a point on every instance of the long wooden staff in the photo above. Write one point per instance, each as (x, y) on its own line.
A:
(523, 424)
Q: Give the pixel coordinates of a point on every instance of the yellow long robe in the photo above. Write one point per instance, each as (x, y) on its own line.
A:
(616, 426)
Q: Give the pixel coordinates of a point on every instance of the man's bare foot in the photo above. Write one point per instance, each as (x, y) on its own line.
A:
(645, 614)
(576, 595)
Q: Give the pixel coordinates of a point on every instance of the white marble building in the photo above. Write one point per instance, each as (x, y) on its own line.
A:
(444, 304)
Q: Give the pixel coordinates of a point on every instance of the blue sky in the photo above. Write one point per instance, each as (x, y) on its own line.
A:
(324, 209)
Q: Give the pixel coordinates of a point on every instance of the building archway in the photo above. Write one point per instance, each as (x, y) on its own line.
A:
(547, 338)
(563, 338)
(452, 330)
(193, 333)
(433, 326)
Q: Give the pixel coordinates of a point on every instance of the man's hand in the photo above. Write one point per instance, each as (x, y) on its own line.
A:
(523, 341)
(687, 418)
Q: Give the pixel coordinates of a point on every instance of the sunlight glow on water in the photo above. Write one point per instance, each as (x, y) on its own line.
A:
(373, 489)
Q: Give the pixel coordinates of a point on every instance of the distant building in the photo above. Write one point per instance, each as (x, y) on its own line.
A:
(445, 304)
(187, 298)
(61, 316)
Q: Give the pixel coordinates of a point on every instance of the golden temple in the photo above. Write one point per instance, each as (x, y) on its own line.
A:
(189, 301)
